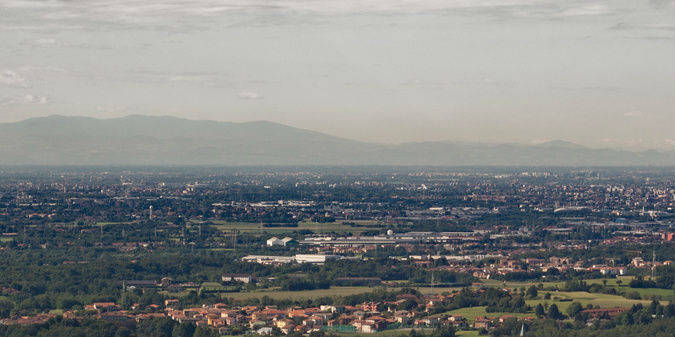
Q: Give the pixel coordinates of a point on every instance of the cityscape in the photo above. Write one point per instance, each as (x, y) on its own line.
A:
(343, 250)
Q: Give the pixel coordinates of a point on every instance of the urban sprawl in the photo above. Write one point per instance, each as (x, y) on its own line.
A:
(337, 251)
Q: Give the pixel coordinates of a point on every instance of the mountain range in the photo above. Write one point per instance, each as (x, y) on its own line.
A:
(145, 140)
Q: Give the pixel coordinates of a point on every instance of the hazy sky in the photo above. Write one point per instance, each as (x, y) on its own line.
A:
(599, 73)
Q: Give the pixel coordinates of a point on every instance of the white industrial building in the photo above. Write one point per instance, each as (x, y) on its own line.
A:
(274, 241)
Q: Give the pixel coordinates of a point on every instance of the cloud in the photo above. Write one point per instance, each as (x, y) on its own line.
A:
(46, 42)
(249, 95)
(166, 12)
(649, 32)
(457, 82)
(205, 79)
(13, 78)
(27, 99)
(659, 4)
(598, 88)
(591, 10)
(647, 27)
(29, 76)
(31, 99)
(634, 114)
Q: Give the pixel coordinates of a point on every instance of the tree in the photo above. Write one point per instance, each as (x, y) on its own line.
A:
(574, 309)
(444, 331)
(205, 332)
(6, 307)
(539, 310)
(532, 292)
(408, 305)
(183, 330)
(554, 313)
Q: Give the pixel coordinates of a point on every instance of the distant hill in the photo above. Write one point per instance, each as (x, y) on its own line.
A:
(145, 140)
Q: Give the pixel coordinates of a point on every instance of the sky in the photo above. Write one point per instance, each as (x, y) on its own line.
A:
(598, 73)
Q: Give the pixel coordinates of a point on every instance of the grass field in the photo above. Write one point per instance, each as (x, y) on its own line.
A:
(664, 294)
(610, 282)
(311, 294)
(600, 300)
(296, 295)
(471, 313)
(339, 227)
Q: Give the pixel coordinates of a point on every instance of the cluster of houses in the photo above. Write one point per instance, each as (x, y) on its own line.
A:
(28, 320)
(108, 311)
(506, 265)
(367, 317)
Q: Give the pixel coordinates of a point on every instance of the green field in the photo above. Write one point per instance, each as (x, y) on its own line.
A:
(296, 295)
(311, 294)
(664, 294)
(514, 285)
(471, 313)
(339, 227)
(601, 300)
(598, 300)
